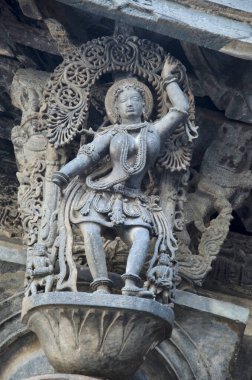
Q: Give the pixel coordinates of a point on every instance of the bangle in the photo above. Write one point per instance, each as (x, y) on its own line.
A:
(168, 80)
(89, 150)
(178, 110)
(62, 177)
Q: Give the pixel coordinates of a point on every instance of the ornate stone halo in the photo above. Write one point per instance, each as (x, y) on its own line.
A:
(114, 90)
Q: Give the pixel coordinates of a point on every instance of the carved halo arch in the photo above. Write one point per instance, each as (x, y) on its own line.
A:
(66, 100)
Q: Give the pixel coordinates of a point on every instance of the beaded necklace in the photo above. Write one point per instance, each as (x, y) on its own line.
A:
(140, 162)
(93, 180)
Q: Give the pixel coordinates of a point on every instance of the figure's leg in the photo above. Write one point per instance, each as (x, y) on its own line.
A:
(139, 240)
(165, 297)
(33, 287)
(95, 256)
(48, 283)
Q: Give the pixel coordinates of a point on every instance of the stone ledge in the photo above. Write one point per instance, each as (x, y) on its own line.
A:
(214, 307)
(12, 252)
(228, 32)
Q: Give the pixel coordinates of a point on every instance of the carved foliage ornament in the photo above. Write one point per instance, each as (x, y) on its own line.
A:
(67, 95)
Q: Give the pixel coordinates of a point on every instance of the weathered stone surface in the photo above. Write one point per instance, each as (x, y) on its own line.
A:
(30, 36)
(221, 28)
(226, 80)
(241, 368)
(95, 334)
(216, 328)
(219, 185)
(222, 310)
(11, 252)
(203, 344)
(232, 271)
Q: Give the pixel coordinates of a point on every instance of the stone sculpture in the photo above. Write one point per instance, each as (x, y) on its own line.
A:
(130, 194)
(39, 271)
(222, 185)
(160, 279)
(128, 180)
(114, 199)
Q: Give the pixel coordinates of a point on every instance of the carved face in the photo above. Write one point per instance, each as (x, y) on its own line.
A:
(164, 260)
(40, 250)
(130, 104)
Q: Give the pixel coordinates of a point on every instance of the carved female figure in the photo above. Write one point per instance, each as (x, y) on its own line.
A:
(111, 195)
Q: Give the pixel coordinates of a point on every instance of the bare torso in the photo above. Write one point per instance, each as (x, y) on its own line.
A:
(132, 154)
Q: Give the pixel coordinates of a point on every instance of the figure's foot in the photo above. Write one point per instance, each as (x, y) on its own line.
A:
(131, 290)
(102, 285)
(146, 294)
(102, 289)
(131, 282)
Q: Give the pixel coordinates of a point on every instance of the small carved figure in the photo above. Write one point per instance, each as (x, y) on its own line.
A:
(160, 279)
(39, 271)
(112, 195)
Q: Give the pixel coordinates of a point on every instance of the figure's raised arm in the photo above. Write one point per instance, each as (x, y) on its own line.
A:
(88, 155)
(180, 105)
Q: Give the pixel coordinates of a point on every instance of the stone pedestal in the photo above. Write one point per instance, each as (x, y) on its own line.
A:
(204, 343)
(97, 334)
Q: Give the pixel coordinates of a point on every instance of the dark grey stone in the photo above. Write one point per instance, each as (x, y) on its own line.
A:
(218, 28)
(97, 334)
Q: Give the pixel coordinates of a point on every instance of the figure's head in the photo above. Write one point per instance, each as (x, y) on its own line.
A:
(128, 99)
(130, 103)
(39, 249)
(164, 259)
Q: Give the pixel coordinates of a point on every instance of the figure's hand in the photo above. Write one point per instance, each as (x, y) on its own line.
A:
(169, 69)
(60, 179)
(175, 69)
(29, 272)
(152, 279)
(41, 272)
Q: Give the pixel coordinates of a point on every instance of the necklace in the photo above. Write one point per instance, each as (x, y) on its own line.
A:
(93, 180)
(140, 162)
(130, 127)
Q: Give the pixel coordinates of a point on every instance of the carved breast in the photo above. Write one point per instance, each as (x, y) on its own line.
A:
(132, 153)
(134, 147)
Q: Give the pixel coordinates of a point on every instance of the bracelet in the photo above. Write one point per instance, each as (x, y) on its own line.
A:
(169, 80)
(132, 277)
(101, 281)
(88, 150)
(62, 177)
(178, 110)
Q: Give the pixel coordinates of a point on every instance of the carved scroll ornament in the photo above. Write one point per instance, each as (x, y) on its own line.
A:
(67, 95)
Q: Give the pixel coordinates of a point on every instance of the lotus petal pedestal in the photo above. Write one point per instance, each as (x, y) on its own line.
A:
(92, 334)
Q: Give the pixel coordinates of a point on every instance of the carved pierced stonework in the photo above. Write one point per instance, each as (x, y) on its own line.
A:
(10, 222)
(233, 267)
(67, 95)
(30, 148)
(222, 186)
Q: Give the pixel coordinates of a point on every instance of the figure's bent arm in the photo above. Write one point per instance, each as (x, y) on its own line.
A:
(177, 113)
(88, 155)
